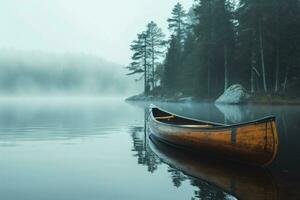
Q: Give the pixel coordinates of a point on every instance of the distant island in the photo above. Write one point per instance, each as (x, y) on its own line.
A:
(217, 44)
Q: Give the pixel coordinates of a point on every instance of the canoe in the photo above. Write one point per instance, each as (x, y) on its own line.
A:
(254, 142)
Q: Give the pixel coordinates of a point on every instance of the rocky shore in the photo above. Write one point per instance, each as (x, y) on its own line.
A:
(234, 95)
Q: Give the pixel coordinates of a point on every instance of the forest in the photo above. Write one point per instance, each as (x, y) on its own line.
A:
(217, 43)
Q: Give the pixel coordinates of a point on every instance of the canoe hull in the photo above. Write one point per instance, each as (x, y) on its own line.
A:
(254, 143)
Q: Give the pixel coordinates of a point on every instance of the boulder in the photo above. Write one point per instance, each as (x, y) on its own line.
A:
(235, 94)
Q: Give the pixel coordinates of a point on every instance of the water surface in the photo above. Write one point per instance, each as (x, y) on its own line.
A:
(98, 149)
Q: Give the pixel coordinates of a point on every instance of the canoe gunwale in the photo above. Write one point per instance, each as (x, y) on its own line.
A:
(216, 125)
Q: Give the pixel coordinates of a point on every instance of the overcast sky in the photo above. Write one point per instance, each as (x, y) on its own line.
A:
(100, 27)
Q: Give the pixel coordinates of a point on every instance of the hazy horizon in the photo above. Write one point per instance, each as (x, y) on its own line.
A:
(35, 73)
(97, 27)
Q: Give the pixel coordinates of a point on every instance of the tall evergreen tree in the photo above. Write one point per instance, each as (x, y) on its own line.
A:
(224, 33)
(189, 57)
(254, 17)
(177, 25)
(204, 33)
(289, 46)
(215, 35)
(156, 48)
(188, 72)
(140, 59)
(171, 65)
(177, 22)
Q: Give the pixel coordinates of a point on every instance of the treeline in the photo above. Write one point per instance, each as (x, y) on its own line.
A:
(221, 42)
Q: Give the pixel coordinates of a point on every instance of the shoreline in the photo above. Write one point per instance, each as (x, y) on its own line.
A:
(258, 100)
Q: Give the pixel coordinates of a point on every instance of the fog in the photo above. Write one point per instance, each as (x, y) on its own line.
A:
(65, 47)
(99, 27)
(35, 73)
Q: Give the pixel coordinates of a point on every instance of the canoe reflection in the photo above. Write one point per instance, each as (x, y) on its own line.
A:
(244, 182)
(142, 150)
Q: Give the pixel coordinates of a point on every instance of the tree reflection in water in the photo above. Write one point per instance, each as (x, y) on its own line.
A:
(177, 176)
(207, 191)
(146, 157)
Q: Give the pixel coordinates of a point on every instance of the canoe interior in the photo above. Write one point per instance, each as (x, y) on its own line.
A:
(169, 118)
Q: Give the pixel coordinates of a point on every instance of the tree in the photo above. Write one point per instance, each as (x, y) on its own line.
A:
(214, 32)
(147, 50)
(288, 40)
(222, 42)
(247, 43)
(140, 59)
(188, 65)
(177, 22)
(171, 66)
(156, 48)
(177, 25)
(254, 17)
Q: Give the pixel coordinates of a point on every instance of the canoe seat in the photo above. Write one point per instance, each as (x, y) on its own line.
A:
(199, 126)
(165, 117)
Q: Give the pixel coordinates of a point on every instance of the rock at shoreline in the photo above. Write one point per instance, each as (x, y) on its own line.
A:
(235, 94)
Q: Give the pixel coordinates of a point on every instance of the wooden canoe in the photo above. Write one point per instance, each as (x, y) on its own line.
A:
(254, 142)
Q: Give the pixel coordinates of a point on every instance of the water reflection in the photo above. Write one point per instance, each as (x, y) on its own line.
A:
(241, 181)
(287, 119)
(62, 119)
(141, 150)
(279, 181)
(151, 155)
(233, 113)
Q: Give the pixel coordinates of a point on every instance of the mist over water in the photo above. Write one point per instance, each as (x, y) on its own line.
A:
(36, 73)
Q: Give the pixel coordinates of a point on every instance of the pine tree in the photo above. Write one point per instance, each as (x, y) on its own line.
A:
(188, 70)
(177, 23)
(177, 26)
(171, 65)
(214, 32)
(140, 59)
(289, 46)
(254, 17)
(223, 38)
(204, 34)
(156, 48)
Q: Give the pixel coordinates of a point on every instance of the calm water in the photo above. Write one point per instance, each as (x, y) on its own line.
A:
(99, 149)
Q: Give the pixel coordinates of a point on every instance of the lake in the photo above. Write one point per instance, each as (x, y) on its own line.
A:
(98, 148)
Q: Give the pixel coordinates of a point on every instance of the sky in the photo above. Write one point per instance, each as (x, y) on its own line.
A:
(100, 27)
